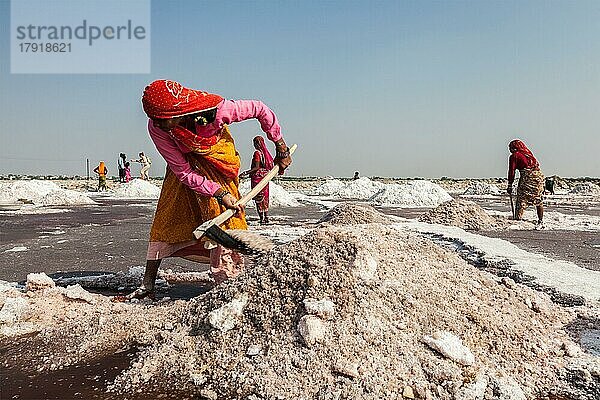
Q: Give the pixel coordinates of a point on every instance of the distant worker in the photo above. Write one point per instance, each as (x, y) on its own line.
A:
(356, 175)
(531, 180)
(127, 172)
(262, 163)
(122, 161)
(101, 170)
(549, 186)
(146, 163)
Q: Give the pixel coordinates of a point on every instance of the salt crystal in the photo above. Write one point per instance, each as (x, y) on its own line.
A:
(321, 308)
(76, 292)
(39, 281)
(227, 316)
(450, 346)
(312, 329)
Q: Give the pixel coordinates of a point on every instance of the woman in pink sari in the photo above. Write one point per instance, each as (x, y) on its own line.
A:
(262, 163)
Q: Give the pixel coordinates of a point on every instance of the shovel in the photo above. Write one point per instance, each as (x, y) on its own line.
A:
(512, 207)
(240, 241)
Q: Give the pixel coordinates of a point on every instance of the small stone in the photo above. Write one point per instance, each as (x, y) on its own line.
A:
(528, 302)
(209, 394)
(408, 392)
(168, 326)
(312, 281)
(76, 292)
(13, 310)
(474, 390)
(506, 388)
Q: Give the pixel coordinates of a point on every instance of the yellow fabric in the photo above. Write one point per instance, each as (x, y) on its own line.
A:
(180, 210)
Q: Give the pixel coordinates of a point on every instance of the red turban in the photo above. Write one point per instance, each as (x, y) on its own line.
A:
(519, 146)
(167, 99)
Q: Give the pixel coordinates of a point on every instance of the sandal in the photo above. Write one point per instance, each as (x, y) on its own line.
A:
(139, 294)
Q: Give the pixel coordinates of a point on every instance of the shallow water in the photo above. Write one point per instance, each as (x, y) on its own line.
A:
(80, 381)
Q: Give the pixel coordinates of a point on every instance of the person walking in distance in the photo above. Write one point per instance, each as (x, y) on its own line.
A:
(146, 163)
(101, 170)
(122, 160)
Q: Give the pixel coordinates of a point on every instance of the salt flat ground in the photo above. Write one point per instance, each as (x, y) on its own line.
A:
(112, 235)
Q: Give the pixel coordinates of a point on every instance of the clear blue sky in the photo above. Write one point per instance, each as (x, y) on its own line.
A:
(389, 88)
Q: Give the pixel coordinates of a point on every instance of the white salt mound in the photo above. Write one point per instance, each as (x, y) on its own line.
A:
(64, 197)
(352, 214)
(27, 190)
(137, 189)
(462, 213)
(481, 188)
(328, 188)
(359, 189)
(278, 196)
(41, 193)
(412, 194)
(586, 189)
(380, 328)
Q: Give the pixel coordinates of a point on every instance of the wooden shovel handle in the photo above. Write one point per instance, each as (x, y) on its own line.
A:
(251, 194)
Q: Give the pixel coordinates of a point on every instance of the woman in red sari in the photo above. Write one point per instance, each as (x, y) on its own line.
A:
(190, 129)
(262, 163)
(531, 179)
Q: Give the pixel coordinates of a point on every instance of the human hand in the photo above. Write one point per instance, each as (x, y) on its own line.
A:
(282, 158)
(228, 201)
(283, 163)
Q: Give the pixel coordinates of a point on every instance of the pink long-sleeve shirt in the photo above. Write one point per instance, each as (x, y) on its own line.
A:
(228, 111)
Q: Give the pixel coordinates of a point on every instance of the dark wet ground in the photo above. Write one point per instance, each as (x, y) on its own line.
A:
(113, 236)
(79, 381)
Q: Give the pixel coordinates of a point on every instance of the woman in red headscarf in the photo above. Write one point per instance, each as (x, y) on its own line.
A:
(262, 163)
(190, 129)
(531, 179)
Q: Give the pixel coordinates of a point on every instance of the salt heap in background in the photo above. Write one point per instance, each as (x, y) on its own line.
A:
(278, 196)
(412, 194)
(586, 189)
(481, 189)
(41, 193)
(359, 189)
(328, 188)
(137, 189)
(461, 213)
(352, 214)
